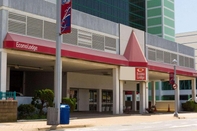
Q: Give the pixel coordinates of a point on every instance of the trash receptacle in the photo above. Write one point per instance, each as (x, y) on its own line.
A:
(64, 114)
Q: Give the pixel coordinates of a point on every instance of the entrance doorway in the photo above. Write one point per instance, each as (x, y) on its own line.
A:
(74, 94)
(93, 100)
(16, 81)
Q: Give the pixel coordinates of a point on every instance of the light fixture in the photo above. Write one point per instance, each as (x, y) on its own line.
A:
(25, 67)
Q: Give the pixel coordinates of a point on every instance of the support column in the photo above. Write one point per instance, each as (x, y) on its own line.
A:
(142, 97)
(177, 95)
(8, 80)
(121, 97)
(67, 85)
(146, 96)
(124, 98)
(115, 91)
(134, 101)
(99, 100)
(3, 71)
(153, 93)
(160, 90)
(193, 89)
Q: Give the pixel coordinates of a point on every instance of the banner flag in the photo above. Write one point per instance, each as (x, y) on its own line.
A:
(66, 16)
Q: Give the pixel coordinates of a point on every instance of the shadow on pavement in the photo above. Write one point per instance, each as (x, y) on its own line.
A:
(94, 114)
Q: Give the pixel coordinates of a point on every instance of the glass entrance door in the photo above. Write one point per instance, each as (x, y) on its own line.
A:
(93, 100)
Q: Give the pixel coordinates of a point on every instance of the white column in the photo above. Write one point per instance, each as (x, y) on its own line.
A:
(8, 79)
(99, 100)
(177, 94)
(3, 71)
(134, 101)
(124, 98)
(146, 95)
(115, 91)
(193, 89)
(153, 93)
(142, 97)
(160, 90)
(121, 97)
(67, 86)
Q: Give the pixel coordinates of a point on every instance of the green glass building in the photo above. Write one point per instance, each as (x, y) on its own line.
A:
(127, 12)
(160, 18)
(158, 15)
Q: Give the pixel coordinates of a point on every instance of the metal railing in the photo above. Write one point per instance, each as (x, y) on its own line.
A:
(7, 95)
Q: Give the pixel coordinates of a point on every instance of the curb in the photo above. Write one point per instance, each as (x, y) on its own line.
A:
(32, 120)
(54, 127)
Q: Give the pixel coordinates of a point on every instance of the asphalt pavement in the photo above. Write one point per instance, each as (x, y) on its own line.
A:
(89, 119)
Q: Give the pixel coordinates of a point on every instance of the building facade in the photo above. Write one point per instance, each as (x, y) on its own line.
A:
(101, 60)
(188, 39)
(153, 16)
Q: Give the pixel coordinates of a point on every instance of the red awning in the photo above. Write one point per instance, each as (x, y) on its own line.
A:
(167, 68)
(19, 42)
(25, 43)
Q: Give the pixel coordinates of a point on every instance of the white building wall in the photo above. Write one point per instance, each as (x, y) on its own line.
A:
(83, 100)
(188, 39)
(90, 81)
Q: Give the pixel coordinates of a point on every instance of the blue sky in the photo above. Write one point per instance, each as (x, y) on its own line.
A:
(185, 15)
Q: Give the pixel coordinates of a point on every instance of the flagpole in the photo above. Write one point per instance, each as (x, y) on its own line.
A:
(58, 64)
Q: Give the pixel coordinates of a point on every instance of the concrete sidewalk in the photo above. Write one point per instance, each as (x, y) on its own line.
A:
(40, 125)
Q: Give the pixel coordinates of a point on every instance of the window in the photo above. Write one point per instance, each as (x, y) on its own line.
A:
(107, 96)
(168, 97)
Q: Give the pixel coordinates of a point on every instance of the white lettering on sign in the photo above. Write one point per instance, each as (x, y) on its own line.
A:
(140, 73)
(26, 46)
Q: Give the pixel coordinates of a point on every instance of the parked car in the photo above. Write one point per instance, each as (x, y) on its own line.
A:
(19, 94)
(190, 99)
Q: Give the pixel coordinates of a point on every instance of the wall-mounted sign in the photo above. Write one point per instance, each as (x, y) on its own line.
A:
(140, 73)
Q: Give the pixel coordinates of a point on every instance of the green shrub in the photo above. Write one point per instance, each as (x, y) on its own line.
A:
(189, 106)
(71, 102)
(25, 110)
(43, 98)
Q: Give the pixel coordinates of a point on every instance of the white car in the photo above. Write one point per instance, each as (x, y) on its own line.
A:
(190, 99)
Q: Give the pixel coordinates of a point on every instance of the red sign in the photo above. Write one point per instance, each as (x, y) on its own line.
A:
(128, 92)
(171, 78)
(65, 16)
(140, 73)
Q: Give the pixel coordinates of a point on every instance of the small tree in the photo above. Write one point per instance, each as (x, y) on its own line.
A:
(43, 98)
(71, 102)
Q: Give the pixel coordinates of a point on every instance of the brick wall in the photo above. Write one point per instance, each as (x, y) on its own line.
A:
(8, 110)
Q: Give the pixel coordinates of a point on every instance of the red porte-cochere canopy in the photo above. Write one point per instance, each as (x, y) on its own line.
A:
(130, 58)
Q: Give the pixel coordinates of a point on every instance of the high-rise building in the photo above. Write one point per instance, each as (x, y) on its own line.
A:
(127, 12)
(158, 15)
(160, 18)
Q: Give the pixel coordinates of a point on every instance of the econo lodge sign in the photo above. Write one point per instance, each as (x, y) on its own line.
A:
(140, 73)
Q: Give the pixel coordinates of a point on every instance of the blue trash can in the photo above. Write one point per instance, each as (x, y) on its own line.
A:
(64, 114)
